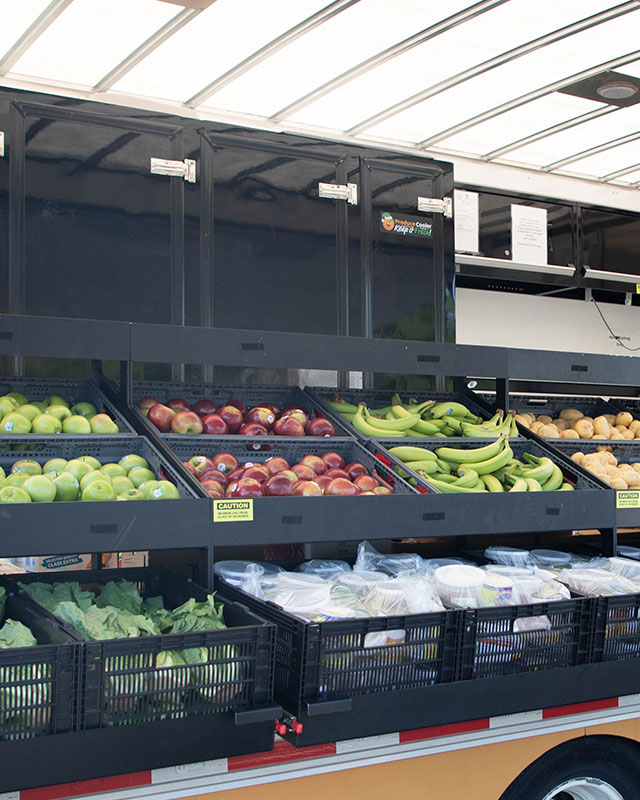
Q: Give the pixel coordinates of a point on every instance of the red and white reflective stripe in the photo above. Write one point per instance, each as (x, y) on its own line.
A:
(287, 761)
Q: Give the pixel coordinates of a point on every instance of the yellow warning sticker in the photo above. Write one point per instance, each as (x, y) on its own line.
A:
(627, 499)
(637, 288)
(233, 510)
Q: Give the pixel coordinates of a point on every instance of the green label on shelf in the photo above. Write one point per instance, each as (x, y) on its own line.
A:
(627, 499)
(233, 510)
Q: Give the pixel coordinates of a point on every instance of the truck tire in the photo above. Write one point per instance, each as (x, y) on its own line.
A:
(588, 768)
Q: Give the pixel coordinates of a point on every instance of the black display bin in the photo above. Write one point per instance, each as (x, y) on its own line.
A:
(74, 391)
(616, 628)
(81, 527)
(282, 396)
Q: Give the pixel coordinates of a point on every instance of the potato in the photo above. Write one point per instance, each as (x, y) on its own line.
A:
(601, 448)
(549, 432)
(635, 425)
(532, 417)
(611, 419)
(609, 458)
(600, 425)
(632, 478)
(569, 433)
(600, 436)
(577, 457)
(570, 414)
(524, 421)
(535, 426)
(614, 472)
(624, 418)
(619, 483)
(637, 435)
(620, 428)
(626, 468)
(636, 465)
(589, 419)
(605, 478)
(583, 428)
(628, 434)
(561, 424)
(590, 461)
(615, 434)
(545, 419)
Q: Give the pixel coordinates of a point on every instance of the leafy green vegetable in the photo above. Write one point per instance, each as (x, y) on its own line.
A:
(15, 634)
(123, 595)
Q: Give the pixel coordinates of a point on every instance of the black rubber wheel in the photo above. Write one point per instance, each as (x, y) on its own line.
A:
(588, 768)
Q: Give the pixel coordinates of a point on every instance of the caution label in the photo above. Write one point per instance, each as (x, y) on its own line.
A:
(233, 510)
(627, 499)
(637, 288)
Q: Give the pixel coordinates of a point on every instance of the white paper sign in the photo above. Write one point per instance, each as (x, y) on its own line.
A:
(529, 235)
(466, 221)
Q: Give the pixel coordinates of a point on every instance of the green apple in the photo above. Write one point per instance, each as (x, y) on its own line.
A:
(78, 468)
(3, 481)
(98, 490)
(55, 465)
(67, 487)
(14, 494)
(46, 424)
(15, 423)
(61, 412)
(17, 478)
(39, 404)
(20, 399)
(2, 473)
(92, 477)
(131, 494)
(133, 460)
(113, 469)
(27, 465)
(102, 423)
(91, 461)
(84, 409)
(147, 487)
(40, 488)
(121, 484)
(161, 490)
(55, 400)
(138, 475)
(7, 405)
(29, 411)
(76, 424)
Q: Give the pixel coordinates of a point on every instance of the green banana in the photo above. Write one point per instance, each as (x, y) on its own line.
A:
(492, 483)
(450, 488)
(555, 481)
(468, 477)
(566, 487)
(513, 431)
(519, 486)
(427, 465)
(462, 456)
(360, 424)
(541, 469)
(444, 467)
(486, 430)
(341, 406)
(408, 453)
(443, 478)
(454, 424)
(532, 485)
(448, 408)
(496, 462)
(426, 428)
(389, 425)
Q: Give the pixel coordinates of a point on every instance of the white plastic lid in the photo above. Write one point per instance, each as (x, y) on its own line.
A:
(459, 576)
(551, 557)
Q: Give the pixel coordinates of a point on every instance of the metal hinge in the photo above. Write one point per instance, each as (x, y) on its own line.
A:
(176, 169)
(339, 191)
(1, 143)
(435, 206)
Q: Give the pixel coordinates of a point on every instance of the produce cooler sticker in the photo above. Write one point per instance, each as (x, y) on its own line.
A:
(627, 499)
(233, 510)
(404, 226)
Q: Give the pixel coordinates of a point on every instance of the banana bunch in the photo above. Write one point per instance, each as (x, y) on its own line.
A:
(419, 420)
(492, 468)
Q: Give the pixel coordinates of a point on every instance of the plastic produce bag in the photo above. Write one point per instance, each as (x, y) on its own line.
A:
(325, 568)
(530, 585)
(419, 593)
(370, 560)
(629, 552)
(625, 567)
(509, 556)
(596, 582)
(234, 572)
(459, 586)
(432, 564)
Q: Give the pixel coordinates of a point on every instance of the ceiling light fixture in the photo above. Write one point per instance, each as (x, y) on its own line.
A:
(617, 90)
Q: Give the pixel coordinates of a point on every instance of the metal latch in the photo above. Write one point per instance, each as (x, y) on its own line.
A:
(339, 191)
(1, 143)
(436, 206)
(176, 169)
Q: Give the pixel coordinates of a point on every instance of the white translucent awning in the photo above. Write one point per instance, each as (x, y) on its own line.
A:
(479, 80)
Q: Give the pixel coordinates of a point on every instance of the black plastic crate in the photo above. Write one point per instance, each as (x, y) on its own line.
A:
(616, 628)
(80, 527)
(382, 397)
(283, 396)
(73, 391)
(39, 685)
(122, 685)
(526, 638)
(318, 665)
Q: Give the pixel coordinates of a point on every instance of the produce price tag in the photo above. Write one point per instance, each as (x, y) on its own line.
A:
(233, 510)
(626, 499)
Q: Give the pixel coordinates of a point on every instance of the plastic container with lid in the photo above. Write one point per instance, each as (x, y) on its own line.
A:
(459, 586)
(236, 572)
(552, 558)
(510, 556)
(324, 567)
(629, 552)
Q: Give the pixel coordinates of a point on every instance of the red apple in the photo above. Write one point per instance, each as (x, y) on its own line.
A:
(237, 404)
(186, 422)
(261, 416)
(161, 416)
(298, 414)
(257, 472)
(333, 460)
(323, 481)
(290, 474)
(228, 492)
(225, 462)
(354, 469)
(316, 463)
(214, 475)
(304, 472)
(320, 426)
(382, 490)
(235, 474)
(232, 417)
(214, 424)
(276, 464)
(288, 426)
(341, 486)
(306, 489)
(292, 409)
(213, 488)
(363, 493)
(279, 485)
(204, 407)
(253, 429)
(272, 406)
(146, 403)
(247, 487)
(201, 463)
(366, 483)
(189, 467)
(178, 404)
(337, 473)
